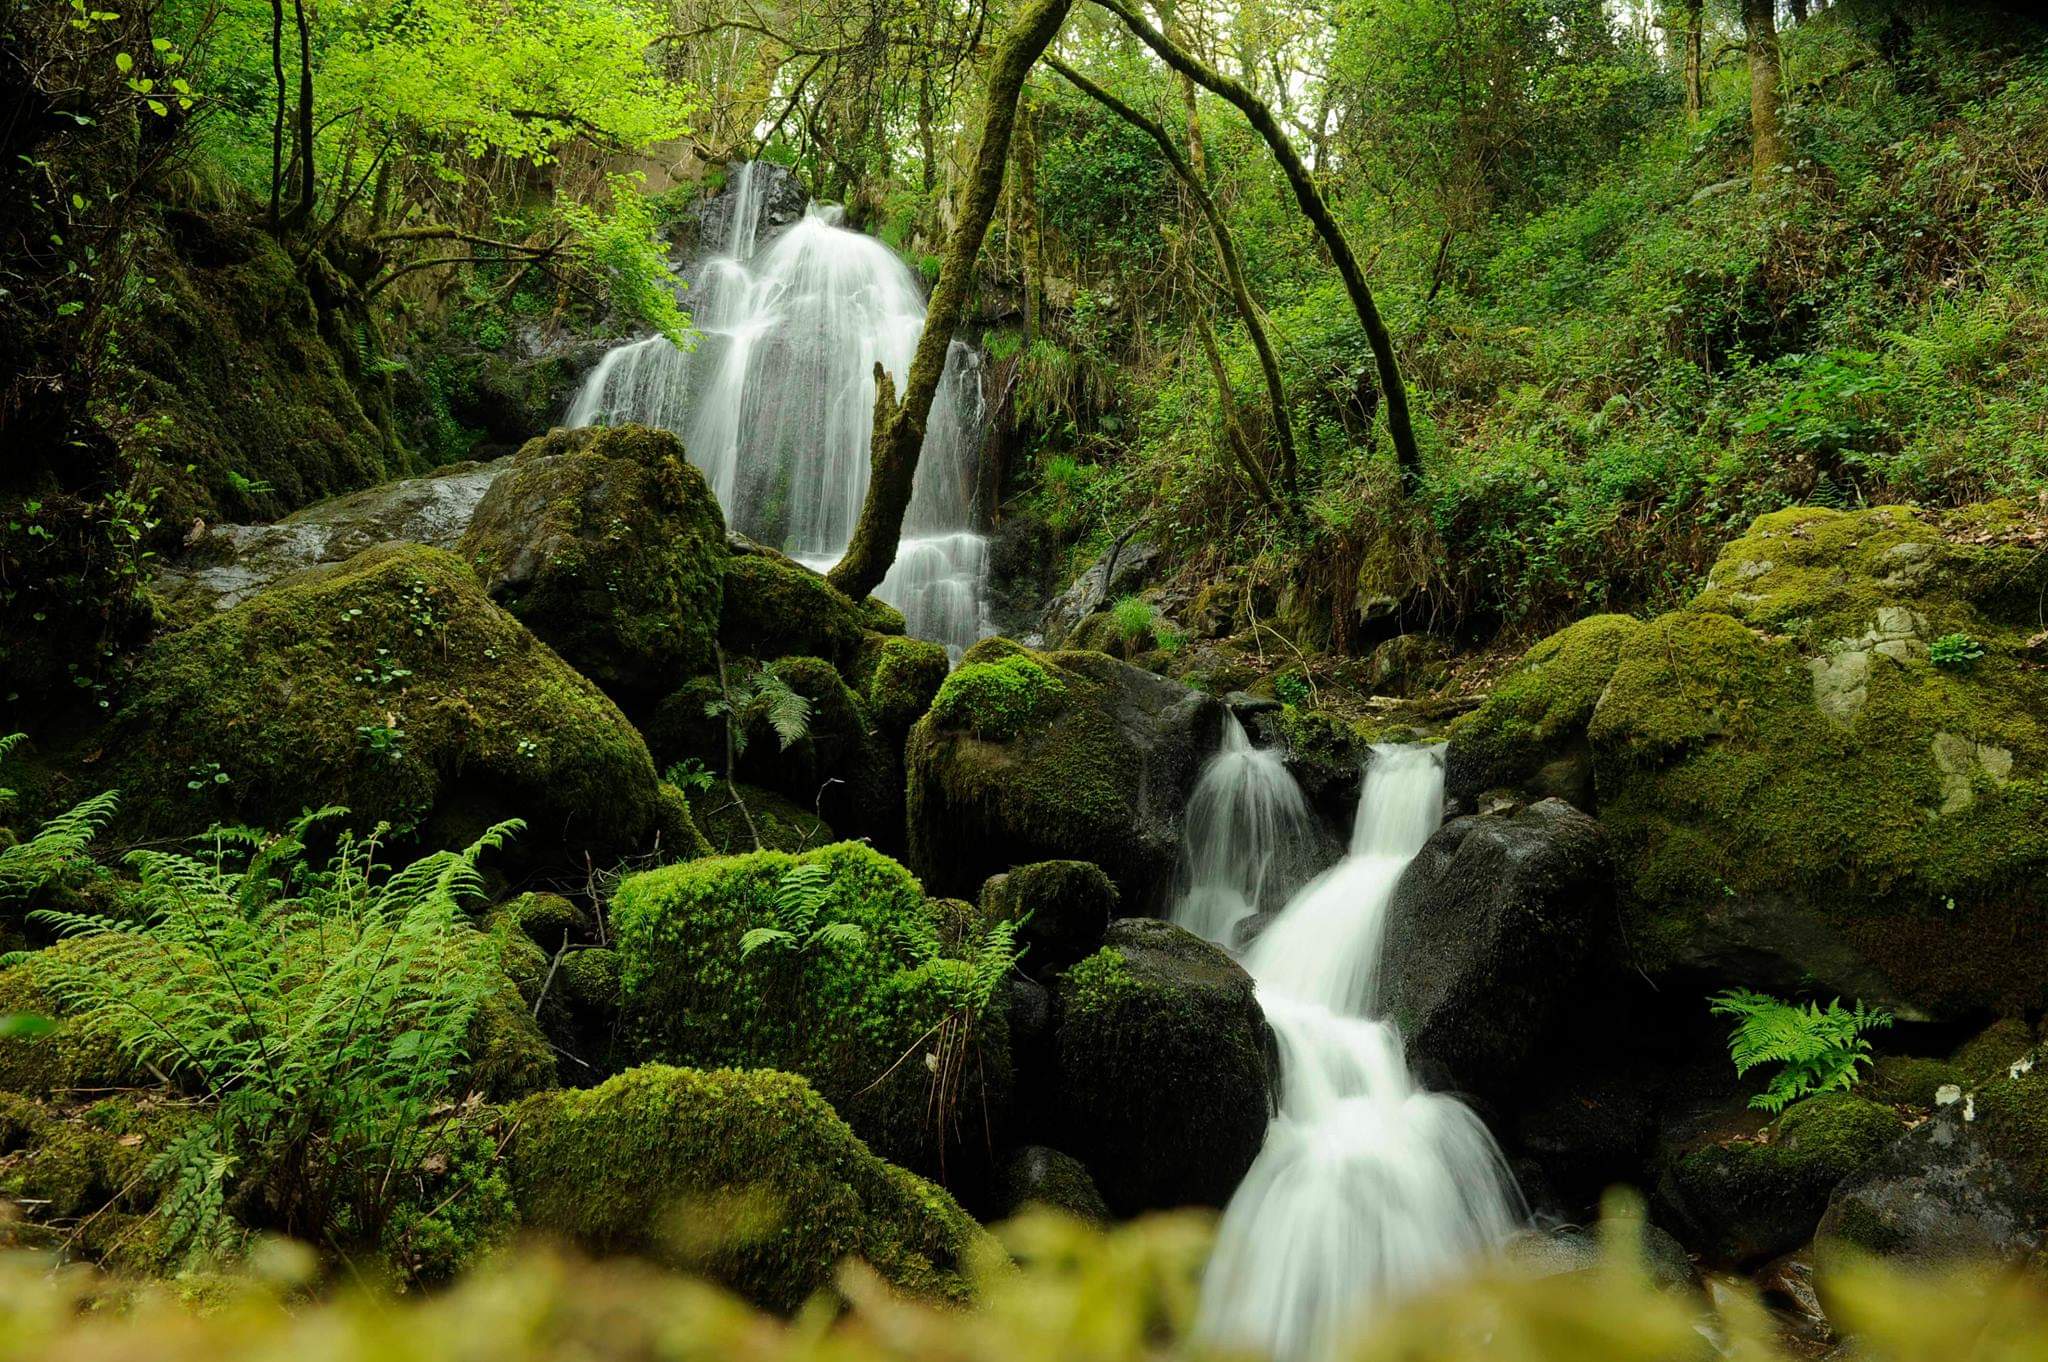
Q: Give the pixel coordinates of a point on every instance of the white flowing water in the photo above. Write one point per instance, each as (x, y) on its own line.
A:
(1250, 841)
(775, 404)
(1368, 1186)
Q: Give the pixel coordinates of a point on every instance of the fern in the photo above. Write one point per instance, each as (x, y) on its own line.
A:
(1818, 1047)
(800, 896)
(320, 1013)
(8, 742)
(57, 850)
(788, 713)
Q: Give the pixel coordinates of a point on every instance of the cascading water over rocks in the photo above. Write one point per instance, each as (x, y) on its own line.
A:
(775, 403)
(1368, 1185)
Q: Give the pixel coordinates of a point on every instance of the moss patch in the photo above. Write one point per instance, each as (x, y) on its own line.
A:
(776, 607)
(995, 700)
(899, 677)
(749, 1176)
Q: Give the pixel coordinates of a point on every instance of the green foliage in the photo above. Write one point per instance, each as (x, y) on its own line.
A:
(761, 694)
(1958, 652)
(59, 850)
(321, 1012)
(624, 248)
(1134, 619)
(995, 700)
(1818, 1048)
(800, 896)
(690, 774)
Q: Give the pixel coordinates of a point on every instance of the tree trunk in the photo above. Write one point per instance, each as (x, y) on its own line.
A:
(898, 437)
(1318, 213)
(1233, 270)
(1766, 135)
(1695, 59)
(1798, 11)
(277, 122)
(1031, 231)
(303, 209)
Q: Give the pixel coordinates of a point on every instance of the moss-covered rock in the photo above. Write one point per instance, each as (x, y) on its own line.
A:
(250, 398)
(545, 919)
(1532, 729)
(68, 1058)
(1741, 1201)
(677, 836)
(748, 1176)
(1054, 756)
(1036, 1176)
(777, 607)
(1064, 908)
(853, 1017)
(841, 766)
(723, 812)
(1165, 1067)
(611, 547)
(389, 684)
(1796, 785)
(899, 677)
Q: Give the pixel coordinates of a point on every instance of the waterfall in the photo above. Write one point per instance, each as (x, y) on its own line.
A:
(1368, 1186)
(775, 404)
(1250, 840)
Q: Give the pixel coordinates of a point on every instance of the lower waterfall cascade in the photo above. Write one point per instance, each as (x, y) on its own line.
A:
(1368, 1185)
(775, 404)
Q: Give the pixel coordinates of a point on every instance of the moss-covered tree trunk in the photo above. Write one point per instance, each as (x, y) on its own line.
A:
(899, 425)
(1233, 270)
(1318, 213)
(1766, 131)
(1027, 210)
(1695, 62)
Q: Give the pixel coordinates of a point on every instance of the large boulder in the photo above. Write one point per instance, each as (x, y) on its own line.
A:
(776, 607)
(1054, 756)
(1062, 908)
(749, 1177)
(389, 684)
(1166, 1068)
(1493, 937)
(855, 1016)
(611, 547)
(1828, 769)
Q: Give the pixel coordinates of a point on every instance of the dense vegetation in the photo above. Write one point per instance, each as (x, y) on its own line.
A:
(426, 828)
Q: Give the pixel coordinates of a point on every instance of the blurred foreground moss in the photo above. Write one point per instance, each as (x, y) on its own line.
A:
(1067, 1294)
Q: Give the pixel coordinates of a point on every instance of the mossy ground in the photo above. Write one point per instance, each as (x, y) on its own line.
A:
(747, 1175)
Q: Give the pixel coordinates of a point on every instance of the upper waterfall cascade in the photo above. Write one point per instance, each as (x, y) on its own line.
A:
(775, 403)
(1368, 1185)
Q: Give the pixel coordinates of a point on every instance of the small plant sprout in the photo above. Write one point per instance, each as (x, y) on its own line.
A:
(1955, 652)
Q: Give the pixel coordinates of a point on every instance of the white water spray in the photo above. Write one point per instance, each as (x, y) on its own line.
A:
(776, 403)
(1250, 841)
(1368, 1186)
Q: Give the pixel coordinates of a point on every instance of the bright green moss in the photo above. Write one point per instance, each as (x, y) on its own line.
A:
(995, 700)
(1540, 709)
(1098, 984)
(749, 1176)
(841, 1016)
(296, 695)
(611, 547)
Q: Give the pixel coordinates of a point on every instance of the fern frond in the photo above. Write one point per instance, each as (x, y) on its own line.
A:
(788, 713)
(1818, 1048)
(840, 936)
(918, 936)
(758, 937)
(59, 847)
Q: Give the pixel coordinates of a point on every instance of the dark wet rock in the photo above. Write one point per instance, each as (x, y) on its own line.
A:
(1166, 1068)
(1055, 756)
(782, 197)
(1122, 570)
(1492, 941)
(1037, 1175)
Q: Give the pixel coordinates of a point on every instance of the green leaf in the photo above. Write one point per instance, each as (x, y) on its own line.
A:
(123, 63)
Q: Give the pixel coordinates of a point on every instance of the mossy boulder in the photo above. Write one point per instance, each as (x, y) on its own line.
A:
(842, 766)
(748, 1176)
(853, 1016)
(1166, 1068)
(70, 1057)
(389, 684)
(611, 547)
(676, 834)
(723, 813)
(1064, 908)
(1797, 783)
(1036, 1176)
(1743, 1200)
(898, 678)
(776, 607)
(1054, 756)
